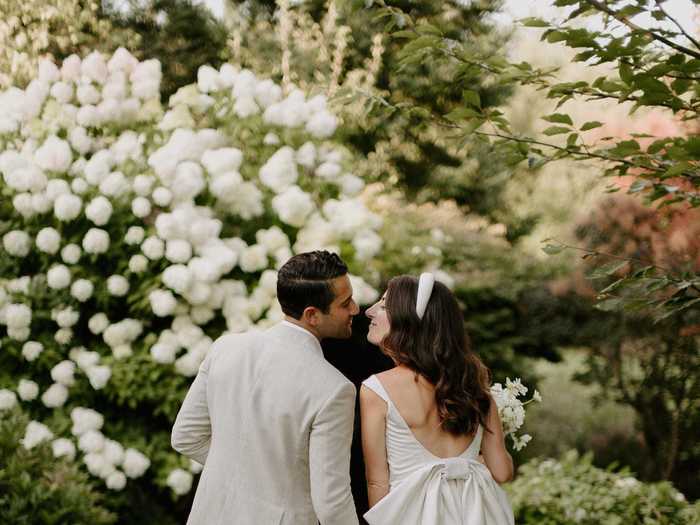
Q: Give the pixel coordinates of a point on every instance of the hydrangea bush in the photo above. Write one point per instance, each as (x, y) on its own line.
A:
(572, 491)
(134, 234)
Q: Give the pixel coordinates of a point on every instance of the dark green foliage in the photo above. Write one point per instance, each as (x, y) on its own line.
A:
(183, 36)
(36, 489)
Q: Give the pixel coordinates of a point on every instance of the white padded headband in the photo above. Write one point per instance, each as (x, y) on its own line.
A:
(425, 288)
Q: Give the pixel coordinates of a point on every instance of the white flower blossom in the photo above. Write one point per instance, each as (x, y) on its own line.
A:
(35, 434)
(55, 396)
(135, 463)
(54, 155)
(280, 170)
(163, 302)
(67, 207)
(153, 248)
(96, 241)
(293, 206)
(48, 240)
(138, 263)
(71, 253)
(82, 290)
(98, 376)
(63, 448)
(99, 210)
(17, 243)
(58, 277)
(116, 480)
(134, 235)
(31, 350)
(180, 481)
(8, 399)
(27, 390)
(118, 285)
(64, 372)
(98, 323)
(84, 420)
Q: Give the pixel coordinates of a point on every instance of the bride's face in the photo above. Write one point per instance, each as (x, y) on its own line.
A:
(379, 327)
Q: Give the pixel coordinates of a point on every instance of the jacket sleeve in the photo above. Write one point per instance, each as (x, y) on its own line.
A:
(329, 459)
(191, 435)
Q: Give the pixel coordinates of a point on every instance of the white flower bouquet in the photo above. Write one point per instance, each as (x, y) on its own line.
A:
(512, 410)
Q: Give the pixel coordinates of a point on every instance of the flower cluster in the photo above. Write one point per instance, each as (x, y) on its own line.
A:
(511, 410)
(135, 234)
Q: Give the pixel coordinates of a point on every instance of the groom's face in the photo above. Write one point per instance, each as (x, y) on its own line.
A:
(337, 323)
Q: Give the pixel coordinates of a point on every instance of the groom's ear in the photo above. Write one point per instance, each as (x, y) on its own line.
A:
(311, 315)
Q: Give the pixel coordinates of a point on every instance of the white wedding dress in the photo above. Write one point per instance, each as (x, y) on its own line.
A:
(428, 490)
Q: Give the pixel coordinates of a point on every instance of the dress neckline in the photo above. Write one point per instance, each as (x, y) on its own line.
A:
(391, 404)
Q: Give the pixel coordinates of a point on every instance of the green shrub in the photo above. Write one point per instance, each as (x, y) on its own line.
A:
(573, 491)
(37, 489)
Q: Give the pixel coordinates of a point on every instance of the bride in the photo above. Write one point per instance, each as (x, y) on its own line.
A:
(432, 439)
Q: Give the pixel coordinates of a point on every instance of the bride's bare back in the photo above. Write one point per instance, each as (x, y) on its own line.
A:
(414, 398)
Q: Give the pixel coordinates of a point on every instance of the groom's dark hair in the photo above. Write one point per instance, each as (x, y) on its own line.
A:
(304, 281)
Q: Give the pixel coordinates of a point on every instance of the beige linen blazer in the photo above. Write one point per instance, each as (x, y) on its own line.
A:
(271, 421)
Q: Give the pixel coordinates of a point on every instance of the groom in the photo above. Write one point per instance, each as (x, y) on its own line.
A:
(269, 417)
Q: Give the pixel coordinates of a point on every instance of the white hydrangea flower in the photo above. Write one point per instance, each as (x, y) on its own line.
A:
(65, 317)
(118, 285)
(162, 196)
(222, 160)
(63, 448)
(195, 467)
(180, 481)
(55, 396)
(27, 390)
(54, 155)
(293, 206)
(71, 253)
(141, 207)
(91, 441)
(143, 184)
(135, 463)
(188, 364)
(367, 244)
(8, 399)
(64, 373)
(67, 207)
(98, 376)
(116, 480)
(322, 125)
(96, 241)
(85, 419)
(58, 277)
(48, 240)
(134, 235)
(280, 170)
(153, 248)
(17, 243)
(82, 290)
(31, 350)
(35, 434)
(138, 263)
(63, 336)
(177, 277)
(163, 302)
(98, 323)
(254, 259)
(163, 353)
(99, 210)
(178, 251)
(115, 184)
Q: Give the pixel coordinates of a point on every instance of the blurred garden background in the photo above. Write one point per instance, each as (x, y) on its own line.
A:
(161, 158)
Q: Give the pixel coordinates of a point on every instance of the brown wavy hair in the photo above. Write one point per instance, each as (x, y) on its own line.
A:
(437, 347)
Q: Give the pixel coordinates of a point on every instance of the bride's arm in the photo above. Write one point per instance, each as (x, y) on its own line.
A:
(373, 422)
(493, 448)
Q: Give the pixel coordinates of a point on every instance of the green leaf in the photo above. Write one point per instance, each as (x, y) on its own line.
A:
(472, 98)
(552, 249)
(607, 270)
(559, 118)
(534, 22)
(555, 130)
(592, 124)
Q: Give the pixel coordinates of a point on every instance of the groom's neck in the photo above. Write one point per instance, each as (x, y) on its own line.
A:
(303, 325)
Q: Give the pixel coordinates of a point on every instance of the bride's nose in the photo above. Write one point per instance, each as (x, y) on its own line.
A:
(370, 311)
